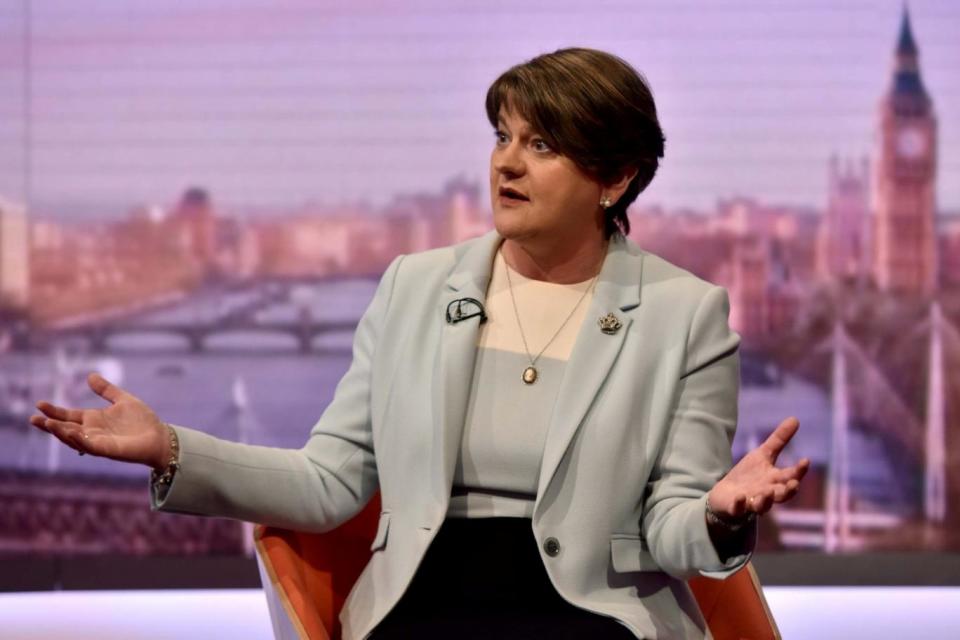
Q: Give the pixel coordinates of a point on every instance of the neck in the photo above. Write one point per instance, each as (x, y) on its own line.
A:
(557, 264)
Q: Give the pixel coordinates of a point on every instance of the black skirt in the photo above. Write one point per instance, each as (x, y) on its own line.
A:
(484, 578)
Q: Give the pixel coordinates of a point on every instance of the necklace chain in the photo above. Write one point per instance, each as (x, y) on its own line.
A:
(516, 312)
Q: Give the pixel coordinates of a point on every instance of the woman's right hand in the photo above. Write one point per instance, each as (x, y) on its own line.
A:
(128, 430)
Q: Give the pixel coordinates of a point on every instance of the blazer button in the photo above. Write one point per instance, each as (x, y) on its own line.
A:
(552, 547)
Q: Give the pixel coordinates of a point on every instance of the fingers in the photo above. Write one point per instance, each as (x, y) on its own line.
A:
(39, 422)
(105, 389)
(761, 503)
(772, 486)
(778, 493)
(786, 491)
(53, 426)
(69, 433)
(796, 472)
(739, 505)
(77, 440)
(60, 413)
(736, 509)
(780, 437)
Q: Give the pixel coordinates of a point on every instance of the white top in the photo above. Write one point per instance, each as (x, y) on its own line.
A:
(506, 423)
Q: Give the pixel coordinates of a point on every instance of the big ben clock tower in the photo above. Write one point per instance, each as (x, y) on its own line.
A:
(905, 241)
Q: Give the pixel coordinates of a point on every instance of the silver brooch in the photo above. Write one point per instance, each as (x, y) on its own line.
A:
(609, 324)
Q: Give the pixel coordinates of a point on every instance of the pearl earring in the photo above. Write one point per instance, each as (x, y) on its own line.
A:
(605, 202)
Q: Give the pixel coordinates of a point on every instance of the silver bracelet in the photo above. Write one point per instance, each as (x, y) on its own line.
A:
(166, 476)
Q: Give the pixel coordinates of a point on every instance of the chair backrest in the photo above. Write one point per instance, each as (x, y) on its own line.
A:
(735, 608)
(307, 577)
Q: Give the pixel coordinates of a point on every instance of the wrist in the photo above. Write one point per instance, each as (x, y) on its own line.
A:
(169, 461)
(726, 521)
(162, 457)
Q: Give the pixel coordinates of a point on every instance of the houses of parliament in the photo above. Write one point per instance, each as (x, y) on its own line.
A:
(898, 246)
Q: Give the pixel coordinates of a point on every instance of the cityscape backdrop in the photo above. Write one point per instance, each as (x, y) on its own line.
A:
(197, 199)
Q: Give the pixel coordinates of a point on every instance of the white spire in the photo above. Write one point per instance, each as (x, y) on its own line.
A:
(62, 371)
(239, 396)
(837, 520)
(935, 494)
(246, 424)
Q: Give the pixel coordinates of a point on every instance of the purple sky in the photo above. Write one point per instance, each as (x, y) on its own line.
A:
(276, 103)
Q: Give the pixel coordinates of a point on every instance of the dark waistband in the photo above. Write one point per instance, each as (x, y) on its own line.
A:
(492, 561)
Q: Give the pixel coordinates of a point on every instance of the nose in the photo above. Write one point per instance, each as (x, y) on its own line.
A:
(508, 160)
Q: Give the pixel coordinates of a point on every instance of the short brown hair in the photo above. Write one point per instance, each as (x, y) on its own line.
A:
(592, 107)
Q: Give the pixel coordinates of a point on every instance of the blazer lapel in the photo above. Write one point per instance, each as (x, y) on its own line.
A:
(458, 349)
(594, 353)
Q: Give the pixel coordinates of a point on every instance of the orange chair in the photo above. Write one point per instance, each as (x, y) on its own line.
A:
(307, 577)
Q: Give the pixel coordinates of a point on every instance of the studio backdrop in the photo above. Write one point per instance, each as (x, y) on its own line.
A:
(198, 198)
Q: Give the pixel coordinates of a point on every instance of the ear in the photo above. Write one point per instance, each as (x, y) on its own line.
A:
(616, 189)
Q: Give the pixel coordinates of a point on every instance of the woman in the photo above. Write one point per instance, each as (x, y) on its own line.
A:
(547, 410)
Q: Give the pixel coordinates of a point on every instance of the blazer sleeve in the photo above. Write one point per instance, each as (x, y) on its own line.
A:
(696, 451)
(315, 488)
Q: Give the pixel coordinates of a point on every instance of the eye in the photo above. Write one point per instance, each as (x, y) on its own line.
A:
(540, 145)
(501, 137)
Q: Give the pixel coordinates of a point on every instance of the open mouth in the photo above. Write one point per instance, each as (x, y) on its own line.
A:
(512, 194)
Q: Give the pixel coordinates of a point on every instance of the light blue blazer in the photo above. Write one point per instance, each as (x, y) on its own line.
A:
(641, 430)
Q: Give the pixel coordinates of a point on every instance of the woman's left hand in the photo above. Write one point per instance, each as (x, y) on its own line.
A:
(756, 483)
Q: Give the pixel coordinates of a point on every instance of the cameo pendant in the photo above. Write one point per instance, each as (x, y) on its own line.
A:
(530, 374)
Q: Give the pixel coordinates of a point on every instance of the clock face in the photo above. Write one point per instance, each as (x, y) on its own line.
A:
(911, 143)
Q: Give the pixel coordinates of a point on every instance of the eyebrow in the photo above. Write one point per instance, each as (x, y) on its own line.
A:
(527, 131)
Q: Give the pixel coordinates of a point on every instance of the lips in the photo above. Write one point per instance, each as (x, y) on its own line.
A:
(513, 194)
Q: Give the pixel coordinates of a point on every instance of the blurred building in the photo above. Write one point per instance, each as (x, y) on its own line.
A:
(466, 213)
(14, 256)
(763, 254)
(905, 252)
(950, 250)
(195, 224)
(425, 220)
(304, 245)
(843, 237)
(407, 230)
(763, 294)
(237, 250)
(369, 249)
(792, 229)
(747, 286)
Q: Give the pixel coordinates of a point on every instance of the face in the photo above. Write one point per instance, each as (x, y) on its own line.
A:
(539, 195)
